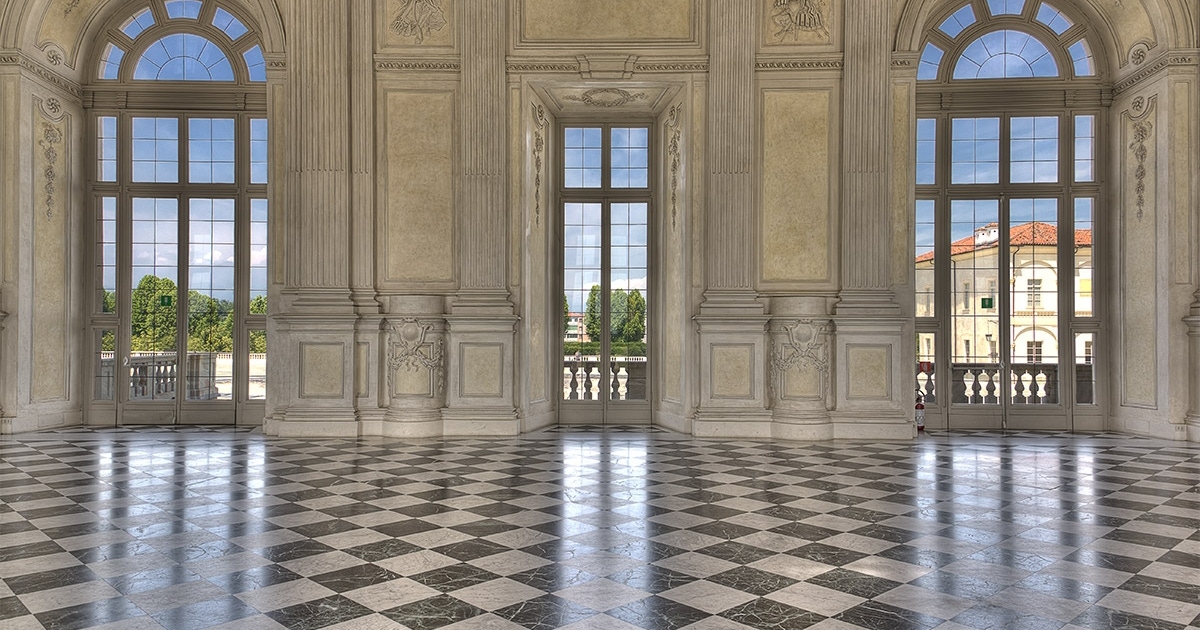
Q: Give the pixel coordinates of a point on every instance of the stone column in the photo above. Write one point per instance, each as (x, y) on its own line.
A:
(482, 319)
(1193, 377)
(870, 354)
(732, 322)
(362, 156)
(316, 320)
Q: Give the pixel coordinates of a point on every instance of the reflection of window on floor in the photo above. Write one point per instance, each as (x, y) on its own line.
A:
(1033, 352)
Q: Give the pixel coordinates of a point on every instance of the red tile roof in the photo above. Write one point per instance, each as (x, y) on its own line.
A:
(1033, 233)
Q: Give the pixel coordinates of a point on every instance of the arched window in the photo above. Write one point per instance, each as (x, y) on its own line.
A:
(1009, 101)
(179, 191)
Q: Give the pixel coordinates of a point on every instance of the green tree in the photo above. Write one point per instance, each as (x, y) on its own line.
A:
(592, 320)
(635, 323)
(153, 309)
(618, 308)
(566, 314)
(258, 305)
(109, 303)
(210, 324)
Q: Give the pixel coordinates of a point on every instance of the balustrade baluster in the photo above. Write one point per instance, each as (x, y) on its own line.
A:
(1020, 395)
(975, 386)
(574, 370)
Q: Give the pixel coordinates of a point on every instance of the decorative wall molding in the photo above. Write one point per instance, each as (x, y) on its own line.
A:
(1173, 59)
(418, 18)
(792, 18)
(629, 67)
(674, 138)
(410, 348)
(50, 142)
(38, 69)
(539, 150)
(422, 64)
(807, 344)
(606, 97)
(534, 66)
(54, 54)
(1139, 52)
(1141, 133)
(791, 62)
(671, 66)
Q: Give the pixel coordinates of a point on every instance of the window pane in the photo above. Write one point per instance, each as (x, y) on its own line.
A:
(926, 259)
(258, 256)
(231, 25)
(1085, 148)
(975, 322)
(931, 60)
(926, 151)
(1084, 256)
(630, 157)
(110, 61)
(1053, 18)
(156, 150)
(210, 307)
(1085, 368)
(1081, 57)
(582, 265)
(257, 387)
(627, 300)
(1033, 254)
(975, 146)
(1006, 7)
(1034, 148)
(154, 300)
(960, 20)
(256, 64)
(183, 57)
(107, 147)
(106, 263)
(258, 151)
(183, 9)
(582, 147)
(138, 23)
(211, 150)
(104, 348)
(1005, 54)
(926, 364)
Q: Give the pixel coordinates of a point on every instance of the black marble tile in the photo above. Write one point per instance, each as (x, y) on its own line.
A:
(382, 550)
(1142, 538)
(202, 614)
(553, 577)
(988, 616)
(657, 613)
(399, 529)
(545, 613)
(256, 578)
(737, 553)
(325, 528)
(767, 613)
(203, 551)
(827, 554)
(454, 577)
(149, 580)
(881, 616)
(853, 582)
(320, 613)
(963, 586)
(294, 550)
(1064, 588)
(751, 580)
(485, 527)
(804, 531)
(651, 579)
(355, 577)
(45, 580)
(1105, 560)
(11, 607)
(472, 549)
(1169, 589)
(88, 615)
(723, 529)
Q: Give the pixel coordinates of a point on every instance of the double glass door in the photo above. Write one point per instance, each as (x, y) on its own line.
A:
(605, 282)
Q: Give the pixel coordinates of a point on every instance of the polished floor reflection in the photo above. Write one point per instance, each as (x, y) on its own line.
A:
(603, 529)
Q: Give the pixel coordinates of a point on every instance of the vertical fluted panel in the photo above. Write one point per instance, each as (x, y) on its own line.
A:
(730, 245)
(362, 120)
(482, 129)
(866, 171)
(319, 99)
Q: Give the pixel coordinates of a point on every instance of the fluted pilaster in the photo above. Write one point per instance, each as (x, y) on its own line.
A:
(866, 175)
(730, 204)
(319, 141)
(362, 151)
(482, 223)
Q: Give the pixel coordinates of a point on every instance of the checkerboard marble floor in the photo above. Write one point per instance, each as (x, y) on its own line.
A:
(596, 529)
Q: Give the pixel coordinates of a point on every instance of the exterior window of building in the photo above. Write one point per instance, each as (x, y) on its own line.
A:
(1007, 195)
(179, 193)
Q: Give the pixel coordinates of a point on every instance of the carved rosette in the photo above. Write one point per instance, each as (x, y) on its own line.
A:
(796, 345)
(414, 346)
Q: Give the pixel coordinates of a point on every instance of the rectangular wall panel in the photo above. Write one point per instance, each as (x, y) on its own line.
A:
(583, 21)
(51, 261)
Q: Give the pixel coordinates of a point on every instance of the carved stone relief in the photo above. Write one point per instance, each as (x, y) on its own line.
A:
(1141, 133)
(807, 344)
(50, 144)
(539, 149)
(674, 135)
(798, 21)
(418, 18)
(411, 348)
(606, 97)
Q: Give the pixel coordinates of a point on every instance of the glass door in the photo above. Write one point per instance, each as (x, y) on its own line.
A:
(1005, 317)
(605, 271)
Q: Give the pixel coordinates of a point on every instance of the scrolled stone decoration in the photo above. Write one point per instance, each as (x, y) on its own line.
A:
(417, 18)
(808, 344)
(674, 141)
(1141, 133)
(606, 97)
(410, 348)
(54, 56)
(1138, 53)
(52, 137)
(539, 148)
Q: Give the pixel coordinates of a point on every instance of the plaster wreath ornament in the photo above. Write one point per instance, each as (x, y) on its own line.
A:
(606, 97)
(409, 349)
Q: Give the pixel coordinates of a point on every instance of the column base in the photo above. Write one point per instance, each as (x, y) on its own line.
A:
(733, 424)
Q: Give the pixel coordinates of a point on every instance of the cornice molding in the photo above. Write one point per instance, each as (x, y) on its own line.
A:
(417, 64)
(1173, 59)
(19, 59)
(538, 66)
(793, 62)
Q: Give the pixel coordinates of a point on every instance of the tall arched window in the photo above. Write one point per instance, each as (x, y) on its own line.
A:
(179, 192)
(1008, 183)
